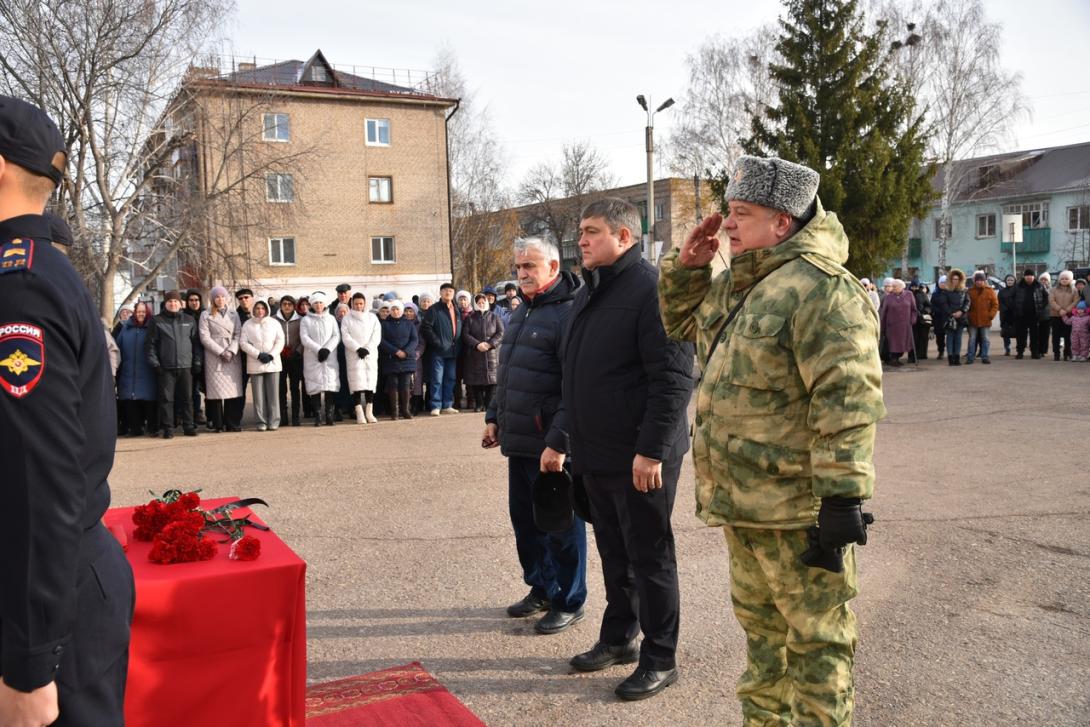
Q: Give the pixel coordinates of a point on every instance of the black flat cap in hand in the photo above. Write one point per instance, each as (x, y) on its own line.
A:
(552, 501)
(30, 139)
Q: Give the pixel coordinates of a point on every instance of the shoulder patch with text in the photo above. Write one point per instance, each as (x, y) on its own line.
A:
(22, 358)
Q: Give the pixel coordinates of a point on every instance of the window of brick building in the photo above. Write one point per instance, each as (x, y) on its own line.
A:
(381, 189)
(279, 188)
(281, 251)
(382, 250)
(378, 132)
(277, 128)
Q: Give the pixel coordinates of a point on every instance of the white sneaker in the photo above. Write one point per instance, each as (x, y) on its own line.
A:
(450, 410)
(434, 412)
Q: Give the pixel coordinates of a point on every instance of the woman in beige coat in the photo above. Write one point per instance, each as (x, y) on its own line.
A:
(220, 329)
(1061, 300)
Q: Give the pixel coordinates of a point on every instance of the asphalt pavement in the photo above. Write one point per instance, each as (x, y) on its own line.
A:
(975, 585)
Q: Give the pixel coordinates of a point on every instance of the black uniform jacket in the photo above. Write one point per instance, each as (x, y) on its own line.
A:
(57, 436)
(626, 385)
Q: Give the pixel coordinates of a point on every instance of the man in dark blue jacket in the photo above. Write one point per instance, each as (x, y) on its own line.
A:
(441, 327)
(66, 590)
(626, 387)
(526, 420)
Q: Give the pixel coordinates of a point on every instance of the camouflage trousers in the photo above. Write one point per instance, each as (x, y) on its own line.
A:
(800, 633)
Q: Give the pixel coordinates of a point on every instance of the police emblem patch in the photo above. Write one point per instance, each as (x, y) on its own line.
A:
(22, 358)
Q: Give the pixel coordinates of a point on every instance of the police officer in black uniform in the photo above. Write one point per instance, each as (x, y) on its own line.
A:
(66, 589)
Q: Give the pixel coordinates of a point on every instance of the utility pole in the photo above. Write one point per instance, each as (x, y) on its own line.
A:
(649, 137)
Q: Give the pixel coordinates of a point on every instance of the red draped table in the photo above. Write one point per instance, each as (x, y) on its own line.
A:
(220, 642)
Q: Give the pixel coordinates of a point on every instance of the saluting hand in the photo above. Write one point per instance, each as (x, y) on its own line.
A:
(703, 243)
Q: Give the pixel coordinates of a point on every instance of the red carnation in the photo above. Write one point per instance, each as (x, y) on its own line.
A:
(207, 549)
(149, 520)
(246, 548)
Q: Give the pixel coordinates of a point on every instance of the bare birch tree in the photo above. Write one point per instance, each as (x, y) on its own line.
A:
(728, 83)
(556, 192)
(973, 102)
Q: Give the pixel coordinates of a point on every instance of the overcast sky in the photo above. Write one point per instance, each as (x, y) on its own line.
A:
(555, 71)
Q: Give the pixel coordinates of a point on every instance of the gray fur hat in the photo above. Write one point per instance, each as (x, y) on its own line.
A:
(774, 183)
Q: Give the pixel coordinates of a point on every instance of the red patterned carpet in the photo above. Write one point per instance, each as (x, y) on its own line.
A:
(401, 696)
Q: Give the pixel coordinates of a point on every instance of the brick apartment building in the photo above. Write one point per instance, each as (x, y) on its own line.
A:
(322, 177)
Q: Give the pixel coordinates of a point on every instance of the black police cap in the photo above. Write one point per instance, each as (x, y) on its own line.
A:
(59, 231)
(30, 139)
(552, 501)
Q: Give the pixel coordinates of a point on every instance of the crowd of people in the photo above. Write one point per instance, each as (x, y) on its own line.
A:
(1031, 312)
(309, 357)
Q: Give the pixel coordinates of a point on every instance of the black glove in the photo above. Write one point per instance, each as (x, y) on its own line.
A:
(264, 357)
(323, 354)
(362, 352)
(817, 557)
(841, 521)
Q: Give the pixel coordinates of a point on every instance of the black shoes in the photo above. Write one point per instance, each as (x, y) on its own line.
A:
(168, 434)
(556, 621)
(644, 683)
(528, 606)
(985, 360)
(190, 432)
(603, 655)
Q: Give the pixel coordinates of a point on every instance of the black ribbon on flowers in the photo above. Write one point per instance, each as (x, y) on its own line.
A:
(230, 526)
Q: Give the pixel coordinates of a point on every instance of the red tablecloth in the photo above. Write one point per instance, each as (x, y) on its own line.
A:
(221, 642)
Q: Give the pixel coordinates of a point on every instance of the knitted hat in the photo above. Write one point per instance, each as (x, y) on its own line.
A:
(774, 183)
(391, 295)
(171, 295)
(219, 290)
(864, 281)
(463, 294)
(318, 296)
(1067, 277)
(978, 275)
(397, 304)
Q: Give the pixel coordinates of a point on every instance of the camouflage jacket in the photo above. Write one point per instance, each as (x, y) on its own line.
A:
(786, 408)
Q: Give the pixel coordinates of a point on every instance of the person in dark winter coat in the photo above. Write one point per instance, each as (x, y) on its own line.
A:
(526, 420)
(626, 387)
(194, 304)
(1030, 304)
(922, 327)
(953, 305)
(136, 382)
(441, 327)
(172, 350)
(938, 316)
(291, 361)
(1007, 313)
(397, 359)
(482, 332)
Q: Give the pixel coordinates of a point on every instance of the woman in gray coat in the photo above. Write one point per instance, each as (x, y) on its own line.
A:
(220, 328)
(482, 332)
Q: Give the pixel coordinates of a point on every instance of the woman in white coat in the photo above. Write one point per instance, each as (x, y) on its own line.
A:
(361, 333)
(262, 341)
(320, 334)
(220, 329)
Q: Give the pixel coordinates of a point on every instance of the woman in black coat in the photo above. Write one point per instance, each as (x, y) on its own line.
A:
(482, 332)
(1007, 313)
(397, 359)
(922, 328)
(952, 305)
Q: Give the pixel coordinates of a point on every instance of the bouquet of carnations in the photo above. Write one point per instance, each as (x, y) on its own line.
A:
(178, 528)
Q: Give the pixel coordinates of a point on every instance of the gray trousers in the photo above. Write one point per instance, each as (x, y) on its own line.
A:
(266, 399)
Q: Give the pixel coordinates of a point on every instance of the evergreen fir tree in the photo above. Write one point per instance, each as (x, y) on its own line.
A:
(842, 111)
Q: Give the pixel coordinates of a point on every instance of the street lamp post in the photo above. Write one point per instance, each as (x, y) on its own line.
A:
(649, 137)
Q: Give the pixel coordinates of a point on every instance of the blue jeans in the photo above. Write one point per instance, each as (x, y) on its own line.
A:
(441, 373)
(978, 332)
(953, 342)
(554, 565)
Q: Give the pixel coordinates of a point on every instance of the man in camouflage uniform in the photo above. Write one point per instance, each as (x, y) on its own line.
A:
(785, 421)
